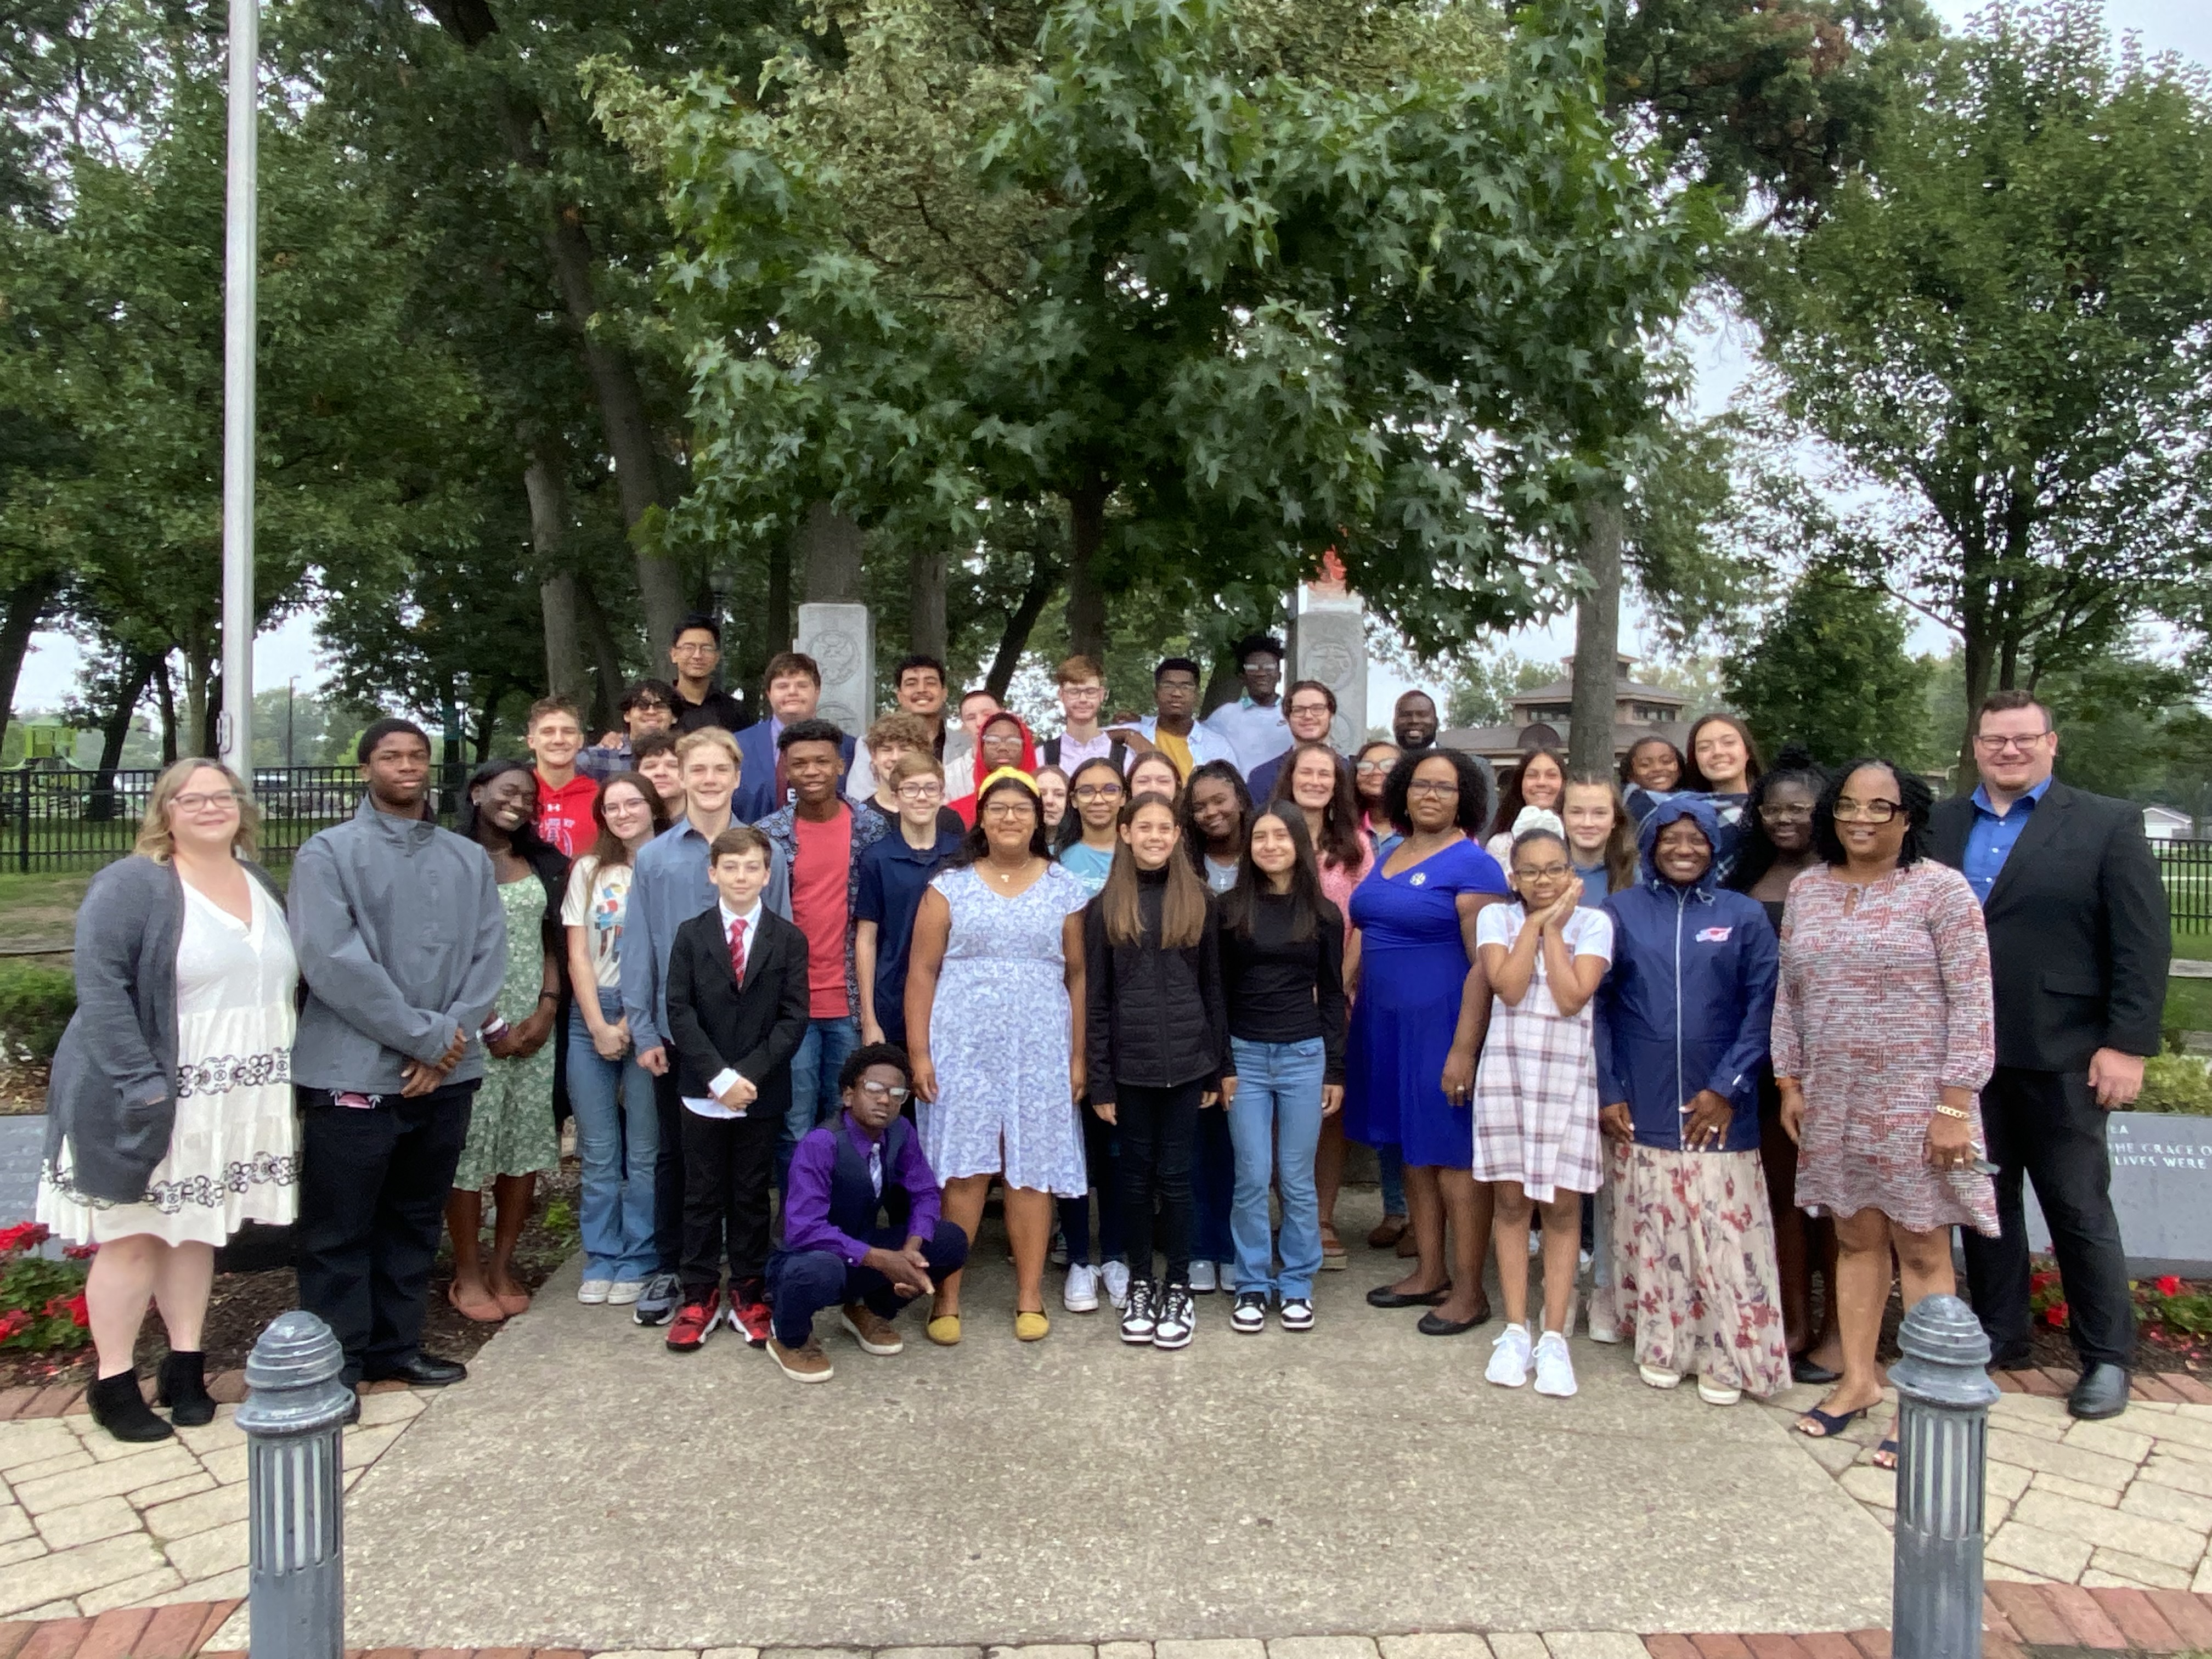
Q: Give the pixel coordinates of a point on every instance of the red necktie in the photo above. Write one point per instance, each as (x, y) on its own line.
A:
(737, 950)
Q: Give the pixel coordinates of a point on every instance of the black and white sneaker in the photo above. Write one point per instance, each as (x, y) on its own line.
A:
(1250, 1316)
(1296, 1314)
(656, 1302)
(1174, 1316)
(1138, 1322)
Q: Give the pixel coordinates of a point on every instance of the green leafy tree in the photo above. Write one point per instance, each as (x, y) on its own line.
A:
(1830, 669)
(2005, 318)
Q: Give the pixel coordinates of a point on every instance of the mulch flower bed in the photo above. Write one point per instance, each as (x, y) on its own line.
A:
(2173, 1322)
(245, 1299)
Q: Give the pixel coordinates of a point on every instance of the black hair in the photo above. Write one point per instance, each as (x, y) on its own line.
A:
(1310, 906)
(1071, 821)
(639, 691)
(1474, 789)
(547, 860)
(380, 730)
(1912, 793)
(1194, 839)
(915, 659)
(1756, 852)
(1627, 774)
(1252, 642)
(873, 1053)
(1539, 832)
(697, 619)
(814, 731)
(975, 845)
(1184, 663)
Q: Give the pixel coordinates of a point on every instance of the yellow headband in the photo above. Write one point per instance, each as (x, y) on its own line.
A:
(1013, 772)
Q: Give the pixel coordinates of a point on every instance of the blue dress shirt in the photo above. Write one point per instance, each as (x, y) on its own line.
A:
(1989, 843)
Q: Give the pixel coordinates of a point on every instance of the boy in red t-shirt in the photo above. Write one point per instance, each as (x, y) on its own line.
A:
(564, 794)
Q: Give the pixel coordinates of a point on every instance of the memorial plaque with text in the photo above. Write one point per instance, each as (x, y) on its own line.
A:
(2162, 1191)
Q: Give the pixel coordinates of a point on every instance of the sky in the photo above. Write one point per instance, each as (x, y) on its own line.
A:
(289, 652)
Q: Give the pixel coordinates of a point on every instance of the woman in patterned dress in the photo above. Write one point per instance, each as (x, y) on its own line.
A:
(170, 1117)
(511, 1133)
(1882, 1040)
(994, 979)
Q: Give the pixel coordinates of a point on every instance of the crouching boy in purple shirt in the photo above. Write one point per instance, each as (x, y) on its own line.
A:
(862, 1230)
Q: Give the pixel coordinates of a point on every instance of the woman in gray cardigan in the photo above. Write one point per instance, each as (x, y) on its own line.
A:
(170, 1118)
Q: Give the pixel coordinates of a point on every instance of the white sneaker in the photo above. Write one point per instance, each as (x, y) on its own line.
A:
(1582, 1261)
(594, 1291)
(1600, 1331)
(1201, 1278)
(623, 1292)
(1535, 1243)
(1117, 1275)
(1555, 1366)
(1509, 1358)
(1080, 1295)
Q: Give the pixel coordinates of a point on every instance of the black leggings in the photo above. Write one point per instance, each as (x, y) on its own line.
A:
(1103, 1159)
(1159, 1128)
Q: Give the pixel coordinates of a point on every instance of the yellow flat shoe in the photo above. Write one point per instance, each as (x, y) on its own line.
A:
(1031, 1327)
(944, 1330)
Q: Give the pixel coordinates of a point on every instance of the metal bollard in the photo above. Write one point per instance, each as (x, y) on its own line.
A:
(1943, 1399)
(294, 1409)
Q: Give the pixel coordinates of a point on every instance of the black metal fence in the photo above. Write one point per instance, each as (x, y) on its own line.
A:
(61, 818)
(2187, 867)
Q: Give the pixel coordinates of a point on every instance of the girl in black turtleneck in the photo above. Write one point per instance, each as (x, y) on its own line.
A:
(1157, 1041)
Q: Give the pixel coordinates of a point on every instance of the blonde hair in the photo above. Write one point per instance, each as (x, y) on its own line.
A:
(156, 842)
(917, 764)
(703, 737)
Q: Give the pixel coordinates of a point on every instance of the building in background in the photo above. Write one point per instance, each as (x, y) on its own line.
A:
(1542, 717)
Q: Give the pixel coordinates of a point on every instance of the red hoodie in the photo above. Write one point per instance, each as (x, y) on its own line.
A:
(966, 806)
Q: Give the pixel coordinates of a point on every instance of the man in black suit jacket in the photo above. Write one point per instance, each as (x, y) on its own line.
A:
(2079, 941)
(736, 1012)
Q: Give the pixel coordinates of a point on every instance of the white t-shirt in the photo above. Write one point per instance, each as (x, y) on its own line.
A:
(598, 900)
(1588, 933)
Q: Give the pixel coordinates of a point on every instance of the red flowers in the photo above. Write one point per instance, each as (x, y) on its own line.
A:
(2169, 1285)
(23, 1235)
(12, 1321)
(2055, 1315)
(79, 1252)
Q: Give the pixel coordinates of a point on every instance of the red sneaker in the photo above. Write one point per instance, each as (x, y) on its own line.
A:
(694, 1319)
(749, 1314)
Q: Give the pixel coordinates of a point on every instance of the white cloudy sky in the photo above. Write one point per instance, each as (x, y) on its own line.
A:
(2179, 25)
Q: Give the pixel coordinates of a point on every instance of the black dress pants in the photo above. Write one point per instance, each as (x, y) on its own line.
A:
(668, 1170)
(1159, 1130)
(2048, 1127)
(372, 1187)
(727, 1161)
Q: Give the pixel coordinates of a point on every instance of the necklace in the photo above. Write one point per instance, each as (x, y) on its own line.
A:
(1005, 875)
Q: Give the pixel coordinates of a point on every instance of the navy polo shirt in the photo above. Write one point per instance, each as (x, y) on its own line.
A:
(893, 876)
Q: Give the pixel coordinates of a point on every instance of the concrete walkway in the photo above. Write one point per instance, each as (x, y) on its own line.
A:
(587, 1489)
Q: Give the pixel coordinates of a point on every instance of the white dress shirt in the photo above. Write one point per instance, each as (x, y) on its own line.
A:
(713, 1107)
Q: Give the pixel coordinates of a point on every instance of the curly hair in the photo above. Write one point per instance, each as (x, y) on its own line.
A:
(1912, 793)
(1474, 809)
(873, 1053)
(1756, 852)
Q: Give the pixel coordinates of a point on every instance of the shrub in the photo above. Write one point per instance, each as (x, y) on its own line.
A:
(35, 1006)
(2175, 1082)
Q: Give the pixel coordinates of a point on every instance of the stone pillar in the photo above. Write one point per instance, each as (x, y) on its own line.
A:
(1329, 644)
(842, 639)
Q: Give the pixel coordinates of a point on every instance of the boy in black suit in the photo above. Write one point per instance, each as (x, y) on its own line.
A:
(737, 1013)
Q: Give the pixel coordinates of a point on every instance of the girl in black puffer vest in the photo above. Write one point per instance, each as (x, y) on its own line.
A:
(1156, 1041)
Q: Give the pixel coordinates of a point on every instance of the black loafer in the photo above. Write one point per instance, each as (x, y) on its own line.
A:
(1803, 1369)
(1431, 1324)
(2102, 1392)
(424, 1371)
(1383, 1297)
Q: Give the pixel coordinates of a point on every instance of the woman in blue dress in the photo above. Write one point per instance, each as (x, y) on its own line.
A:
(1417, 1024)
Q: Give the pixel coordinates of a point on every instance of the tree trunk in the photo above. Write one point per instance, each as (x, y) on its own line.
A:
(20, 612)
(606, 658)
(165, 698)
(1221, 683)
(829, 542)
(138, 672)
(1597, 638)
(1044, 576)
(487, 721)
(1087, 602)
(199, 670)
(778, 621)
(926, 572)
(1977, 654)
(556, 586)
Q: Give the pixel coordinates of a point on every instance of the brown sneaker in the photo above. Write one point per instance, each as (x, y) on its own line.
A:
(807, 1363)
(876, 1334)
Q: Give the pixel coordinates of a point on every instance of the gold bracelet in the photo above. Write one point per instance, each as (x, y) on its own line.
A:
(1958, 1112)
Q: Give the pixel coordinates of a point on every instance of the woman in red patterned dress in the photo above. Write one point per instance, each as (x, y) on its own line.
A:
(1882, 1041)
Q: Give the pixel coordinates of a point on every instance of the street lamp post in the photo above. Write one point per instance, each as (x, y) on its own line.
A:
(234, 736)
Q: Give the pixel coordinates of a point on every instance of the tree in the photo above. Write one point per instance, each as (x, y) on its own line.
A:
(1481, 691)
(1830, 670)
(2006, 318)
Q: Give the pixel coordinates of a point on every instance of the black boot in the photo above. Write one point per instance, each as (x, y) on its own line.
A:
(183, 1388)
(117, 1406)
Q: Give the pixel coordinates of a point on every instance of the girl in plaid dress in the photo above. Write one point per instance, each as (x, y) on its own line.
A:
(1536, 1092)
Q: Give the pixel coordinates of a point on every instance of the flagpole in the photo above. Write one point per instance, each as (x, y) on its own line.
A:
(234, 734)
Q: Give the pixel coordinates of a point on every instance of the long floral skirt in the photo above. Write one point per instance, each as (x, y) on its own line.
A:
(1689, 1275)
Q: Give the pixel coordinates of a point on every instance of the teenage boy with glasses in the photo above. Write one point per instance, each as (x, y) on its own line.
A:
(1310, 713)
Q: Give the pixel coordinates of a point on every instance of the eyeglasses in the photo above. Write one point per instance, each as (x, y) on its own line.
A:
(697, 650)
(929, 791)
(890, 1091)
(1369, 768)
(200, 800)
(1541, 870)
(1009, 808)
(649, 706)
(1866, 811)
(1785, 814)
(1432, 787)
(1998, 744)
(1187, 687)
(1309, 708)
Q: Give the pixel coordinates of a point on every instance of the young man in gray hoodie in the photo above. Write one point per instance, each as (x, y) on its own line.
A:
(402, 947)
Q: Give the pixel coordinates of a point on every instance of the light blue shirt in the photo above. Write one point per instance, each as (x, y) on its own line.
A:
(670, 887)
(1255, 735)
(1990, 842)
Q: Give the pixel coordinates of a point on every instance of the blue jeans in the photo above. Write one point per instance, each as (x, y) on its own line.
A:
(1276, 1125)
(814, 1084)
(618, 1140)
(1213, 1188)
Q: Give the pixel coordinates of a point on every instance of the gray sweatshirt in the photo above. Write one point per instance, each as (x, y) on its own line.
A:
(397, 928)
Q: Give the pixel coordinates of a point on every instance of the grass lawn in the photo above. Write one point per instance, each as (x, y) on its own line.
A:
(39, 909)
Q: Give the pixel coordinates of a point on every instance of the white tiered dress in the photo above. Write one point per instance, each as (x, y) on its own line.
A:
(234, 1153)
